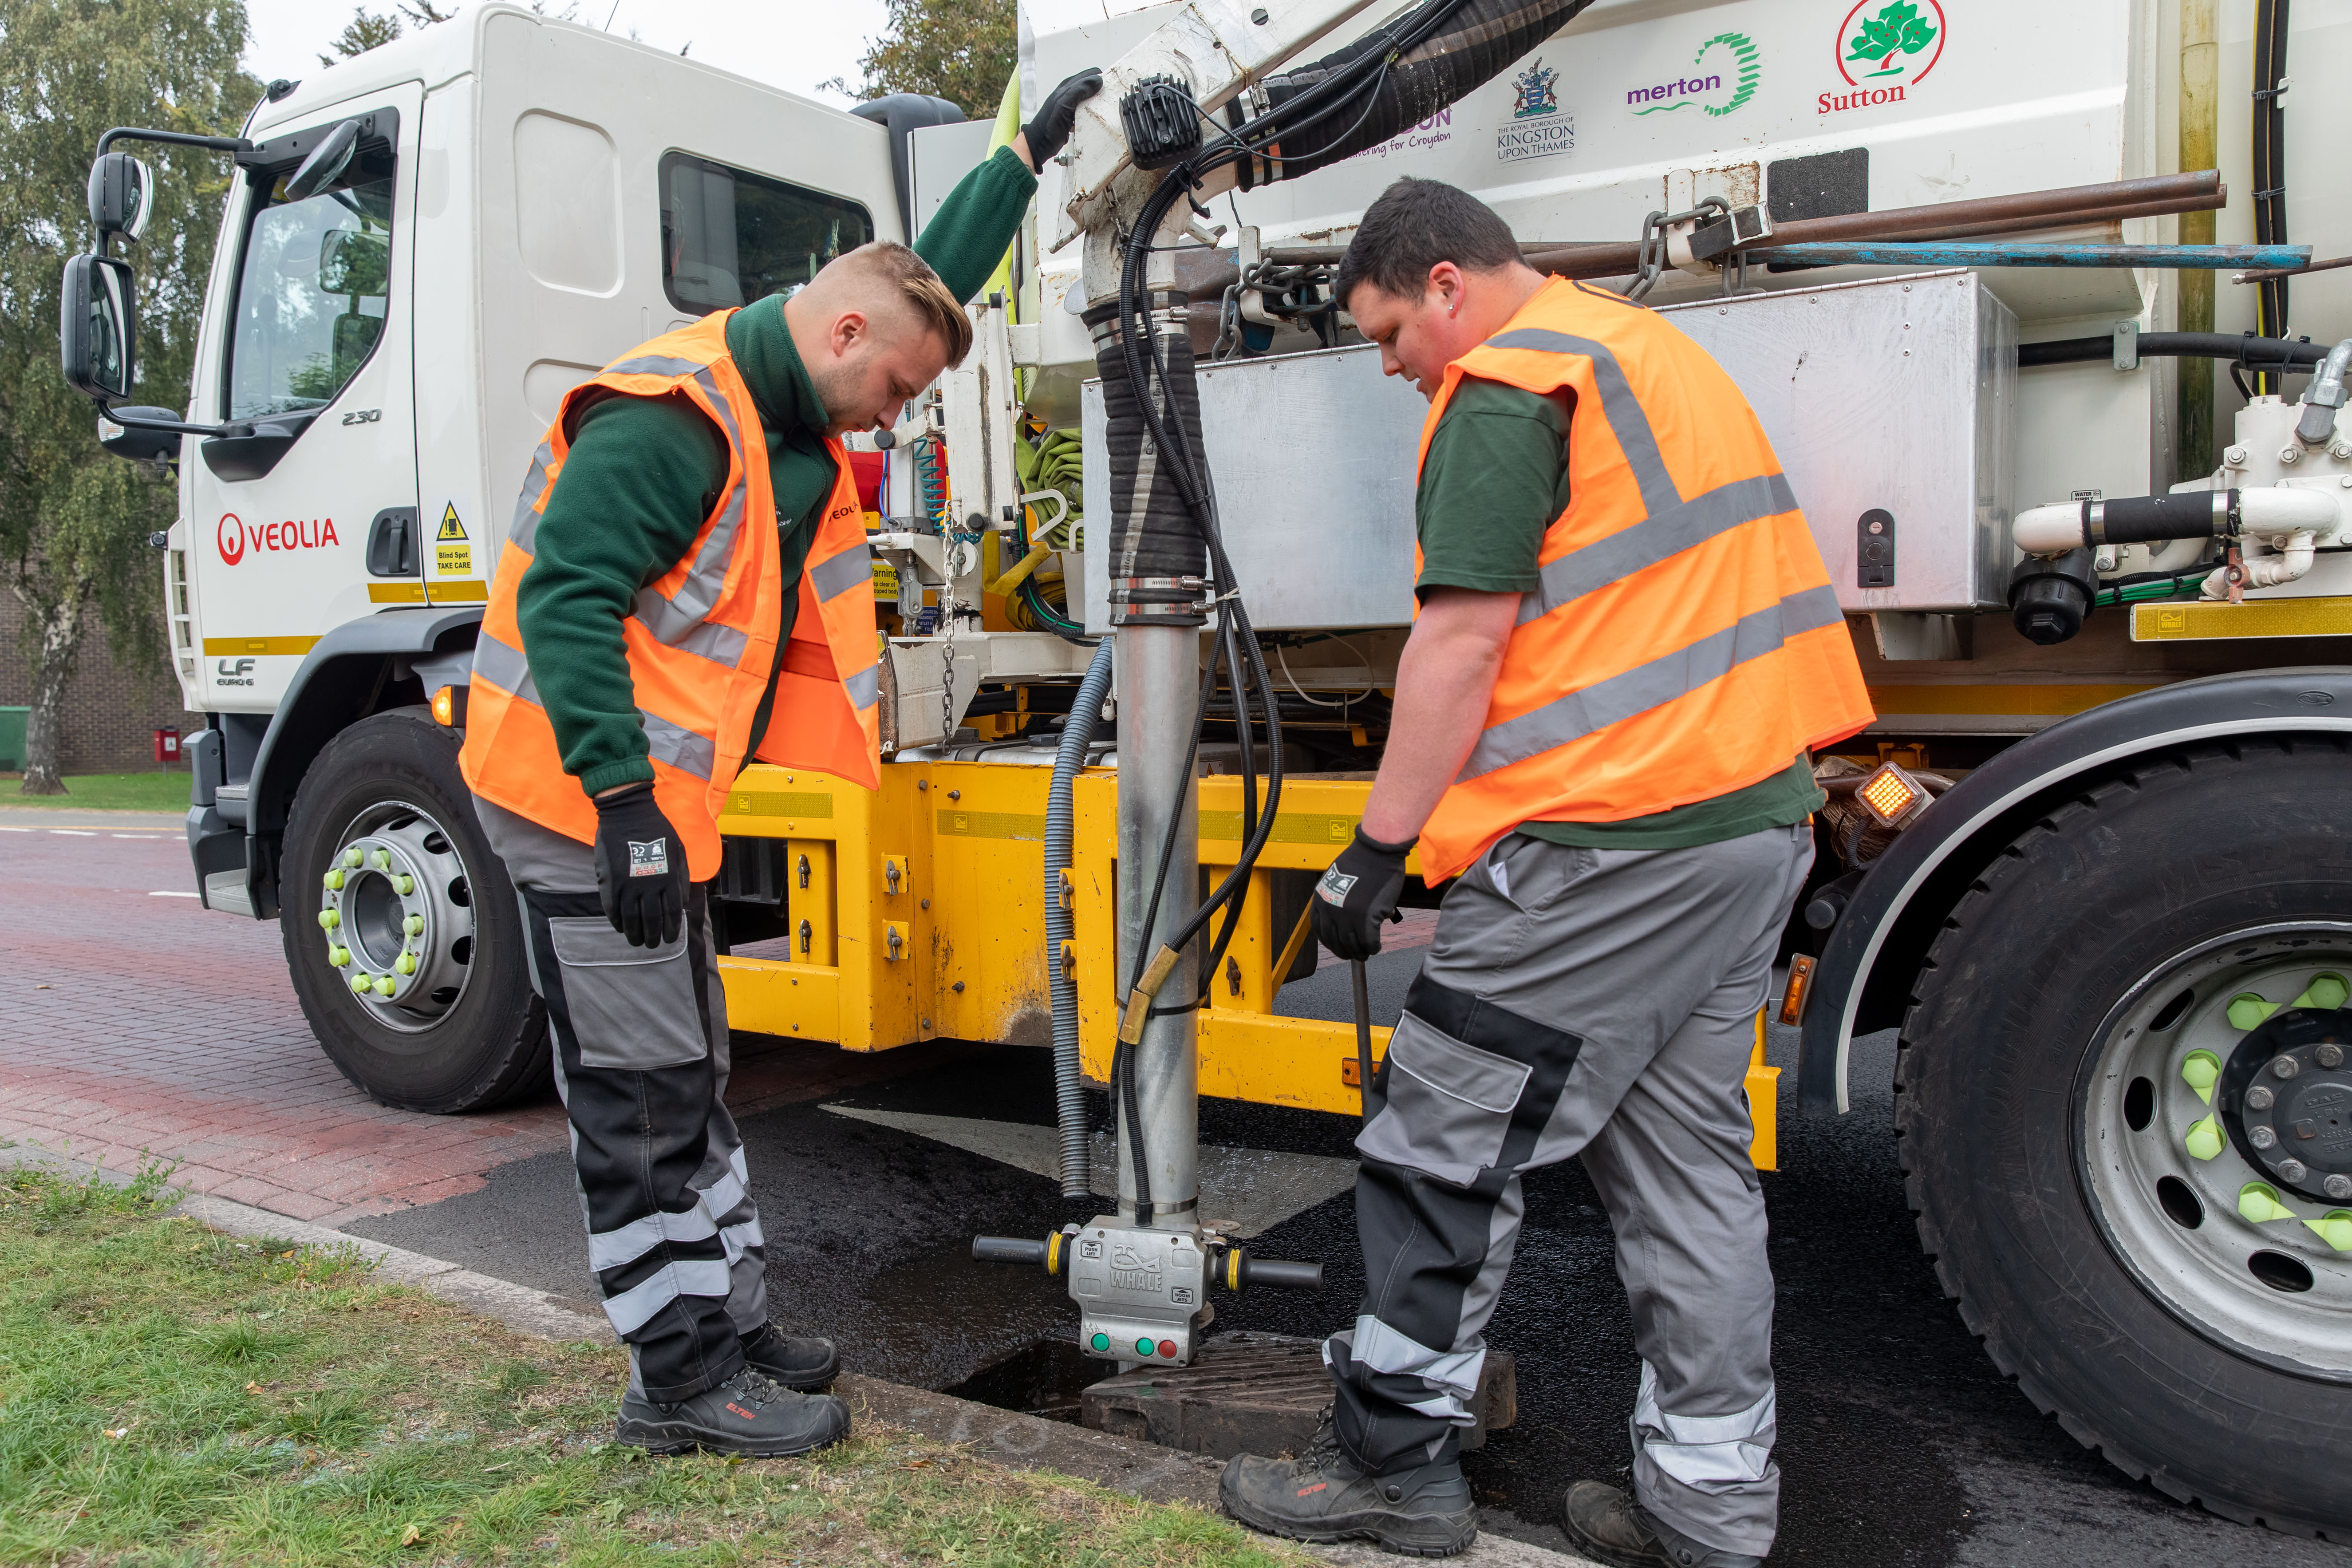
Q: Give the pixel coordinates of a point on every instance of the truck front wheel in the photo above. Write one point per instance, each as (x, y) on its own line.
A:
(2125, 1108)
(401, 929)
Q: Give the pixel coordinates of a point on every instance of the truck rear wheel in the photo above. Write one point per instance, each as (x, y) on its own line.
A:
(400, 928)
(2139, 1209)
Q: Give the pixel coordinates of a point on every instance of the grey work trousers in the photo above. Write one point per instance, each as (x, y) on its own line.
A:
(1601, 1002)
(641, 1060)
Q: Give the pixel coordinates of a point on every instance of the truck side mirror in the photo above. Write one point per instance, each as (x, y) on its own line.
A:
(328, 159)
(122, 197)
(98, 325)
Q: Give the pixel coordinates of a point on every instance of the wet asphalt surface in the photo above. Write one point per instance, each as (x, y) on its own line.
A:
(1899, 1441)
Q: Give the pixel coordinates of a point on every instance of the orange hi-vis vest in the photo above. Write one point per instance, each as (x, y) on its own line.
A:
(1686, 641)
(702, 637)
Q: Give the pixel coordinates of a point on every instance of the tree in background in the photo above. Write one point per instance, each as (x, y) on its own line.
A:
(961, 51)
(73, 521)
(366, 30)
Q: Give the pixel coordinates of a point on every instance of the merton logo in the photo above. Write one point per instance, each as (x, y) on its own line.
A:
(1537, 129)
(1727, 70)
(1884, 48)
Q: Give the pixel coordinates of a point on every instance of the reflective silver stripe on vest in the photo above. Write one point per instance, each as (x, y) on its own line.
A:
(836, 574)
(667, 624)
(524, 530)
(653, 364)
(675, 744)
(1670, 524)
(706, 578)
(504, 666)
(865, 688)
(678, 746)
(1652, 685)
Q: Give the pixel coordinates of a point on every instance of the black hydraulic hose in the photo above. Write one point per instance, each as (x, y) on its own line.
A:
(2281, 354)
(2268, 148)
(1069, 1086)
(1439, 53)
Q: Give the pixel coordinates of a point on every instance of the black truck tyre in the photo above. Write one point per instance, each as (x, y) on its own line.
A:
(401, 929)
(2075, 1096)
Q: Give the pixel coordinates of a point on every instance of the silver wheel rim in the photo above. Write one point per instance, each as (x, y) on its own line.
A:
(395, 910)
(2231, 1275)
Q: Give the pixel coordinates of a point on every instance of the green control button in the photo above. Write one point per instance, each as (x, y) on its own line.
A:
(1143, 1347)
(1101, 1342)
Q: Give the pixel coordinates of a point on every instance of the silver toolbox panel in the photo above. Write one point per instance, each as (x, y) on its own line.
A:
(1896, 395)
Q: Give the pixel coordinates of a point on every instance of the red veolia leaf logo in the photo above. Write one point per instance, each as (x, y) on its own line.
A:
(231, 539)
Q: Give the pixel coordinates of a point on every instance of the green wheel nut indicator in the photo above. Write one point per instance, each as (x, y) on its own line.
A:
(2334, 1227)
(2202, 1071)
(2325, 994)
(330, 919)
(384, 859)
(332, 882)
(413, 925)
(2247, 1010)
(2259, 1202)
(338, 956)
(354, 857)
(386, 985)
(407, 884)
(362, 984)
(2205, 1139)
(405, 963)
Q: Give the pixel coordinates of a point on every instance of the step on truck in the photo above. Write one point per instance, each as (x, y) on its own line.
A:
(2061, 397)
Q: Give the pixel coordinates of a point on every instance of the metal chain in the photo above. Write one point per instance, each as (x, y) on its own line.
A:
(947, 654)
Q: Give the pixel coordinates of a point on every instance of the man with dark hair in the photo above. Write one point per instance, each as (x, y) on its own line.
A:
(1627, 648)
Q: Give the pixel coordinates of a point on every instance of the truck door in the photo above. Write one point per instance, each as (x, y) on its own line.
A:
(312, 520)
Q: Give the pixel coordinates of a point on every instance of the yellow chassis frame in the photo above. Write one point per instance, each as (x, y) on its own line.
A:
(916, 912)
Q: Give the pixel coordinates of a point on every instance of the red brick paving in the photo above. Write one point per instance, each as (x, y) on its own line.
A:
(136, 1028)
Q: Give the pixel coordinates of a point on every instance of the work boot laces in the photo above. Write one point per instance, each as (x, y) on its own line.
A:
(755, 1389)
(1323, 1453)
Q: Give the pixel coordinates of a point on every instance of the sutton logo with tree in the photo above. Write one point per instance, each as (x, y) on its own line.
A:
(1899, 44)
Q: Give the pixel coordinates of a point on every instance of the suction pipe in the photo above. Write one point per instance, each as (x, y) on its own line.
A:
(1069, 1089)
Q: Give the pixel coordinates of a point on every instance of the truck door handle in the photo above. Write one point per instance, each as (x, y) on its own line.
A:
(392, 543)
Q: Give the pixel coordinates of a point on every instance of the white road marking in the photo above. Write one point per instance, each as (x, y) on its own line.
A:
(174, 893)
(145, 836)
(6, 829)
(74, 831)
(1243, 1190)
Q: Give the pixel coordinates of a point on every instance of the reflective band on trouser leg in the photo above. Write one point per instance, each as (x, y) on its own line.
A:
(725, 1178)
(1705, 1451)
(1449, 1377)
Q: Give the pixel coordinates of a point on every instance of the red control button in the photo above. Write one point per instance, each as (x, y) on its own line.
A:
(1168, 1347)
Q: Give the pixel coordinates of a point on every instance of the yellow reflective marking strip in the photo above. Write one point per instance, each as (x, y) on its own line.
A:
(1026, 826)
(218, 647)
(407, 592)
(2044, 699)
(781, 803)
(471, 591)
(2317, 617)
(1289, 827)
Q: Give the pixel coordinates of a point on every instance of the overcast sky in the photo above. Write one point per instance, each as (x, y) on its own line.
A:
(794, 44)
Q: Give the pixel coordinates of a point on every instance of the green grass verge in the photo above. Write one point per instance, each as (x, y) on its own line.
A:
(158, 791)
(171, 1396)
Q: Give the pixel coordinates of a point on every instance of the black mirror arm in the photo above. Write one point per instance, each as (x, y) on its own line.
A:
(134, 422)
(172, 139)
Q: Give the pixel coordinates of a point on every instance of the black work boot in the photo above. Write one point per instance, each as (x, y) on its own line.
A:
(747, 1414)
(807, 1365)
(1607, 1524)
(1323, 1496)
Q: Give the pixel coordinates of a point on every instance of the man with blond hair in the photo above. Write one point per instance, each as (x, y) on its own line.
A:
(686, 587)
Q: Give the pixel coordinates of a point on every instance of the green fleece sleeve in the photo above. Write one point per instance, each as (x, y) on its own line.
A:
(635, 490)
(968, 236)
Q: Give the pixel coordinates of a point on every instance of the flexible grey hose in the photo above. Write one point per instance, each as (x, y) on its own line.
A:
(1069, 1089)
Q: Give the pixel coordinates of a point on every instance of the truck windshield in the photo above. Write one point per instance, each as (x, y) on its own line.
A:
(729, 238)
(311, 293)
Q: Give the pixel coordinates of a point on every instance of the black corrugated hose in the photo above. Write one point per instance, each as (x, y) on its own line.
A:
(1356, 98)
(1069, 1087)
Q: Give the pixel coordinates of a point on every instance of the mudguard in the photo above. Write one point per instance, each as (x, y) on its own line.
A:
(339, 683)
(1863, 983)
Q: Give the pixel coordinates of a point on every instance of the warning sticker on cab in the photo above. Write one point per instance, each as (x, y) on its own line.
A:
(453, 556)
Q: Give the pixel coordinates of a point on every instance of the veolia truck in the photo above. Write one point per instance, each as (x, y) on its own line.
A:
(2034, 307)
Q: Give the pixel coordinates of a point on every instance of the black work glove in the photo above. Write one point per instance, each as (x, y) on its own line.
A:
(640, 867)
(1050, 129)
(1358, 893)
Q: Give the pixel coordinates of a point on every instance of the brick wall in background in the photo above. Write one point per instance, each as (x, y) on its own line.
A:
(111, 713)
